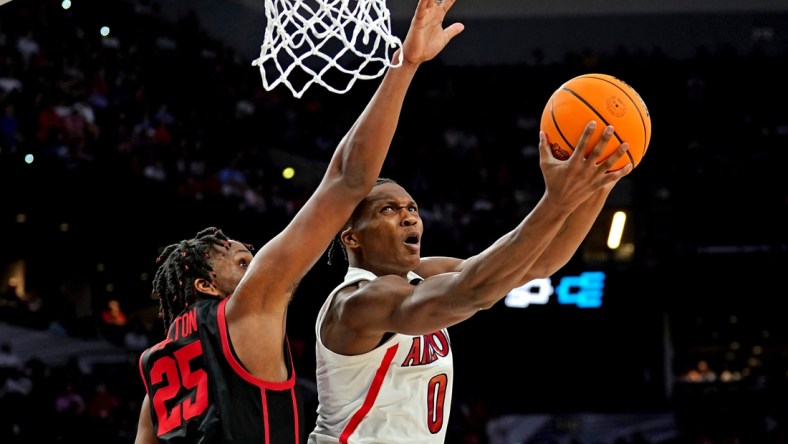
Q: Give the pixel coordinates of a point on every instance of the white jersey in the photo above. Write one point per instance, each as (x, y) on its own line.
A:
(400, 392)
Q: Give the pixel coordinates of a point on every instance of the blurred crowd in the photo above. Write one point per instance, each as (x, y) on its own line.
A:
(173, 125)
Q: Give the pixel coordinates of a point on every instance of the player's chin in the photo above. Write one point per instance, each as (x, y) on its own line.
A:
(412, 260)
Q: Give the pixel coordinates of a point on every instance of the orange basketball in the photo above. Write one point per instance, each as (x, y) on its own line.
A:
(609, 101)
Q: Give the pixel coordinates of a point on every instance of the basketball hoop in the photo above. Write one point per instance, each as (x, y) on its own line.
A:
(329, 42)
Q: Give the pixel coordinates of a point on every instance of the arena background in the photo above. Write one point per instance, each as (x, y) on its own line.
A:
(700, 278)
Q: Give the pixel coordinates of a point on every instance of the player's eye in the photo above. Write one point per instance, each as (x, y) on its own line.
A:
(243, 263)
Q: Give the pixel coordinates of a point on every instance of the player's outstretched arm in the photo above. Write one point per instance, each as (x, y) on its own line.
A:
(576, 227)
(447, 298)
(559, 251)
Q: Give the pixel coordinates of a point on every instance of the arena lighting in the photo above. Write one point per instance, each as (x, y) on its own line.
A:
(616, 230)
(584, 291)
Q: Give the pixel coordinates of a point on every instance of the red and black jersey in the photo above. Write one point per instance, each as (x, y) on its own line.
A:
(200, 393)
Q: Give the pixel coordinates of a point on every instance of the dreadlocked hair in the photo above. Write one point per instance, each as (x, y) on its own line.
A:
(336, 243)
(179, 265)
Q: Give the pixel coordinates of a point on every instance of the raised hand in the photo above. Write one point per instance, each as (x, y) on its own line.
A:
(570, 182)
(427, 37)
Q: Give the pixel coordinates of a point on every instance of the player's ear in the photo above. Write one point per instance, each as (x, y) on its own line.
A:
(349, 238)
(205, 286)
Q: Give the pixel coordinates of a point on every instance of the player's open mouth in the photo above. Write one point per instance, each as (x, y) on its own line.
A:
(412, 242)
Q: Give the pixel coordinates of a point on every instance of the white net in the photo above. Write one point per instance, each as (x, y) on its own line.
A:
(329, 42)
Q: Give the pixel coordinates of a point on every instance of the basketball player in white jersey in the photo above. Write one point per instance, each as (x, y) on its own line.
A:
(384, 361)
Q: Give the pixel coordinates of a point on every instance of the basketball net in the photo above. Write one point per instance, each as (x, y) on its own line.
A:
(329, 42)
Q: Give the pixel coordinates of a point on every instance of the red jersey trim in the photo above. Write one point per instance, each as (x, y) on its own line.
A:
(372, 395)
(142, 372)
(239, 369)
(295, 416)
